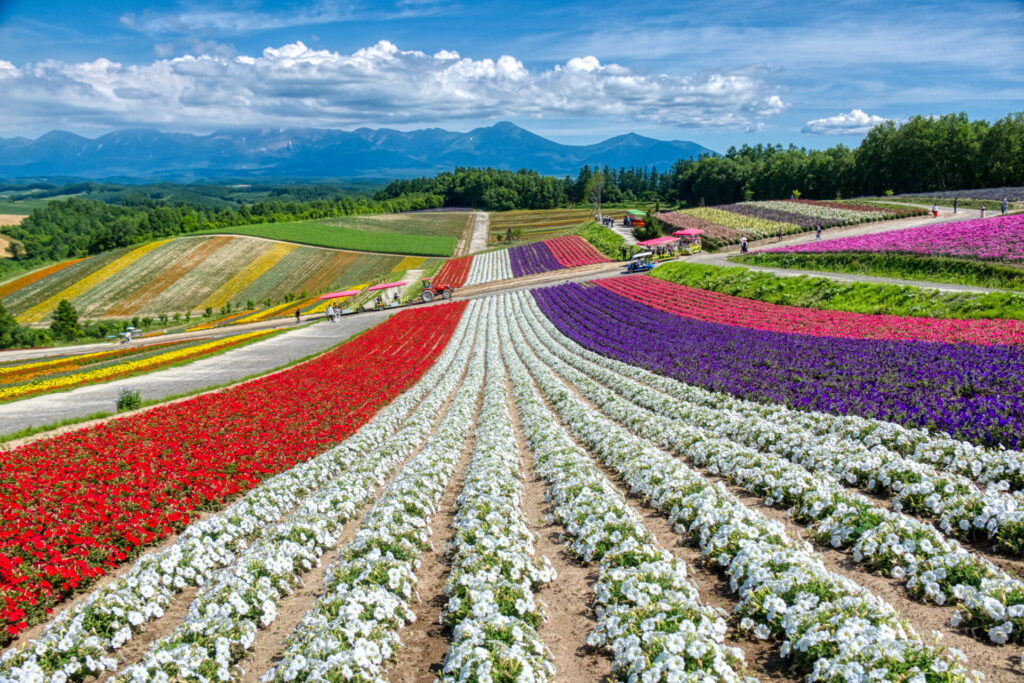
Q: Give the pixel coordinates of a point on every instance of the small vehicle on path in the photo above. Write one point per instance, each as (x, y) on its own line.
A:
(640, 263)
(431, 290)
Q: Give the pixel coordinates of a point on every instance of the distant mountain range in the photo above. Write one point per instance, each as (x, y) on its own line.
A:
(314, 153)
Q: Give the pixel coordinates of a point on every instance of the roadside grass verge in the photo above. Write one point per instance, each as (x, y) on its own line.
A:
(896, 265)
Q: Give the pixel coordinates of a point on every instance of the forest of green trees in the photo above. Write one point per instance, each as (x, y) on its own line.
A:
(923, 154)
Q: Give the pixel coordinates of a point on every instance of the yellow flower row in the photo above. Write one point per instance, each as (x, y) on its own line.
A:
(408, 263)
(66, 360)
(43, 308)
(112, 371)
(245, 277)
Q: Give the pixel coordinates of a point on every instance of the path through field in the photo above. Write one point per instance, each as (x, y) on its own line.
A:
(480, 231)
(258, 358)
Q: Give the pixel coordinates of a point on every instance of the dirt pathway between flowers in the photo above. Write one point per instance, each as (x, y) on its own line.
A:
(761, 658)
(995, 662)
(569, 599)
(269, 644)
(425, 641)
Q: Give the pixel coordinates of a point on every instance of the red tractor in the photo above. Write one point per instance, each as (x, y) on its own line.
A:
(431, 290)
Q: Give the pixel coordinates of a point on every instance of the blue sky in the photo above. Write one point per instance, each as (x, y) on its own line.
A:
(718, 73)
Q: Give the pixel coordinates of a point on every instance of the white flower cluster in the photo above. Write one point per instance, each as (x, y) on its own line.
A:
(831, 627)
(491, 606)
(935, 568)
(650, 617)
(222, 621)
(489, 267)
(352, 630)
(78, 640)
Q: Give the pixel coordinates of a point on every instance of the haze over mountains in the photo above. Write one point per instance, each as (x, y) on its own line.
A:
(313, 153)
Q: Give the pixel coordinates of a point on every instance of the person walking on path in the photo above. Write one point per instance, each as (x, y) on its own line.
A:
(935, 210)
(954, 204)
(817, 233)
(1005, 206)
(780, 233)
(743, 245)
(298, 315)
(982, 210)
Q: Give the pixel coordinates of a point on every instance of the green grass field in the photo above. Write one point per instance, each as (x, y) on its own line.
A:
(321, 234)
(24, 207)
(443, 223)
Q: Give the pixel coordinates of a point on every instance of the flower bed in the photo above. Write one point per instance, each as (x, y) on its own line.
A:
(701, 304)
(82, 502)
(489, 267)
(530, 259)
(997, 238)
(454, 271)
(572, 250)
(786, 594)
(973, 392)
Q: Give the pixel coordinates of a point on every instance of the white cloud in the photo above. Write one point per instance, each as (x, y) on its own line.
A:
(857, 122)
(378, 85)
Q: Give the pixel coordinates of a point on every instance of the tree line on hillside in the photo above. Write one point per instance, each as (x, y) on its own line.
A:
(924, 154)
(80, 227)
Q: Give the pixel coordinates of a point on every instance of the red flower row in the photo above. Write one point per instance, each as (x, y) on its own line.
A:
(80, 503)
(454, 271)
(731, 310)
(573, 250)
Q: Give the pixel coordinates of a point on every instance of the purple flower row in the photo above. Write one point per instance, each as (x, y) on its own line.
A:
(529, 259)
(972, 392)
(1000, 237)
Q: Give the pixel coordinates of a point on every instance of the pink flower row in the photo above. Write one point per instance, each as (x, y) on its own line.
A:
(714, 307)
(999, 238)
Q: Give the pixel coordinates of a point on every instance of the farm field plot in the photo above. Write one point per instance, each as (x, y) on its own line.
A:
(727, 223)
(542, 224)
(191, 273)
(437, 223)
(335, 236)
(686, 575)
(526, 259)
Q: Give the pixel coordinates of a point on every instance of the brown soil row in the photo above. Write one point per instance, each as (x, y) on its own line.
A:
(569, 599)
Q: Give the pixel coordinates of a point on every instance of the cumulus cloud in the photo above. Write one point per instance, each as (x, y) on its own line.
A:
(378, 85)
(856, 122)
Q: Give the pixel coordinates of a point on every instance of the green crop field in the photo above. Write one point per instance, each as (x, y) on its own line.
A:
(322, 234)
(543, 224)
(24, 207)
(443, 223)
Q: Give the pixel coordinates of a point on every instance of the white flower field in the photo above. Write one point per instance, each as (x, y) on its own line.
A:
(725, 540)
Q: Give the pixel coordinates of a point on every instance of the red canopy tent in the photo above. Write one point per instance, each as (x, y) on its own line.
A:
(689, 231)
(657, 241)
(339, 295)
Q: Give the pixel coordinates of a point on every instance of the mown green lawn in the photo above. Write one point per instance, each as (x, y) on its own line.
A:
(321, 234)
(444, 223)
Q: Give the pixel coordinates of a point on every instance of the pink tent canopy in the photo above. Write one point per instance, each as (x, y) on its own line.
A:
(689, 231)
(657, 241)
(338, 295)
(386, 285)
